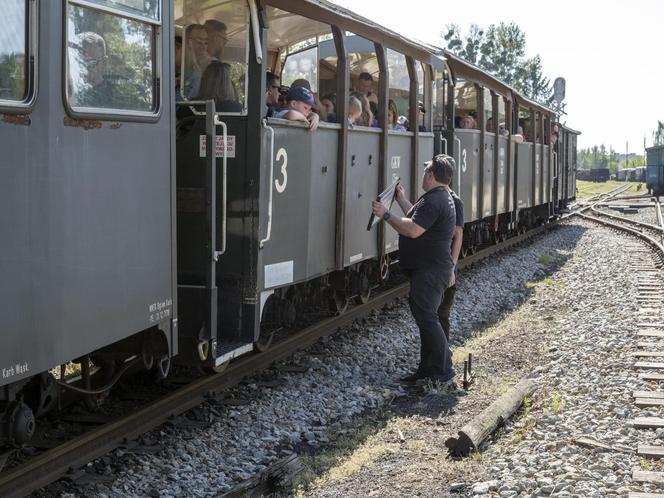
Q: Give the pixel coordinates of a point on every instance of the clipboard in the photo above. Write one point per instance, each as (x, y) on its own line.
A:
(386, 198)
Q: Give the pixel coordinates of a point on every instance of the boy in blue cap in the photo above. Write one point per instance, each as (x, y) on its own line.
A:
(299, 103)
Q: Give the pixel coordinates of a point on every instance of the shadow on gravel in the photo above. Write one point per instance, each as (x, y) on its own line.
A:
(422, 413)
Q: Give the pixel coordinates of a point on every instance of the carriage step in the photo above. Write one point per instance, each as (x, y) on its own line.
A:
(228, 350)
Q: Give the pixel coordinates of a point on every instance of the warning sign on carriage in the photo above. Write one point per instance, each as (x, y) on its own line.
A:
(230, 146)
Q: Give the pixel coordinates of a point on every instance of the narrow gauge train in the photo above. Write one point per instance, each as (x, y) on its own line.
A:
(131, 236)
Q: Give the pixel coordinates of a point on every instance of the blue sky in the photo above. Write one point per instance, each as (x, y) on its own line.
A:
(610, 54)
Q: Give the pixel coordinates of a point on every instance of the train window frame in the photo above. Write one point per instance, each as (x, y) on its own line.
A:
(113, 114)
(27, 105)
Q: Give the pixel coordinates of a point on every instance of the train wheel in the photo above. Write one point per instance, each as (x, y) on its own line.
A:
(264, 341)
(364, 290)
(337, 301)
(464, 252)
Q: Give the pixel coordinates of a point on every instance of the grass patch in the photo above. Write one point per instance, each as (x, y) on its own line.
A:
(644, 464)
(557, 403)
(587, 189)
(348, 455)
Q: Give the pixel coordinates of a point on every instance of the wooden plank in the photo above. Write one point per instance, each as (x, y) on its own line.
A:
(648, 394)
(650, 325)
(650, 451)
(650, 333)
(647, 354)
(639, 475)
(646, 402)
(649, 345)
(648, 422)
(649, 365)
(651, 376)
(637, 494)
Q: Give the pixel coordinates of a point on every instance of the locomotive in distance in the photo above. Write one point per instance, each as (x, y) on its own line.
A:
(144, 223)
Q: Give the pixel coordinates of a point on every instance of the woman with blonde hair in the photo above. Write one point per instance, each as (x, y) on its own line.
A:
(367, 117)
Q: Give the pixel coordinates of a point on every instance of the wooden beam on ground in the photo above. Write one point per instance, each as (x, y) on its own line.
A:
(636, 494)
(648, 402)
(651, 376)
(650, 451)
(647, 476)
(648, 394)
(477, 430)
(649, 365)
(275, 477)
(648, 423)
(650, 333)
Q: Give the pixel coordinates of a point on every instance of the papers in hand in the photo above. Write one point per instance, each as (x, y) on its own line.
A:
(386, 198)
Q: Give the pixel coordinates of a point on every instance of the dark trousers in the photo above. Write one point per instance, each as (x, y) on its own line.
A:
(426, 292)
(444, 310)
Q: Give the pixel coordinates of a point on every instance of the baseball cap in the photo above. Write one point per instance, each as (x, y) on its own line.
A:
(301, 94)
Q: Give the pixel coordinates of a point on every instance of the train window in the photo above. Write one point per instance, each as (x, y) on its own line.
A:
(399, 90)
(14, 68)
(216, 52)
(489, 124)
(465, 103)
(438, 98)
(138, 8)
(364, 77)
(302, 65)
(502, 123)
(110, 62)
(525, 127)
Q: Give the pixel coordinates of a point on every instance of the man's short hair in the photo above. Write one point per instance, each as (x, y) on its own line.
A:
(442, 166)
(270, 78)
(366, 76)
(92, 39)
(301, 82)
(191, 28)
(214, 25)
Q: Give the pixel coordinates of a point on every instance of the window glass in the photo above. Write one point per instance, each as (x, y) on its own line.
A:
(301, 65)
(465, 104)
(502, 123)
(438, 91)
(525, 128)
(216, 51)
(145, 8)
(488, 110)
(110, 62)
(419, 68)
(13, 48)
(364, 81)
(399, 91)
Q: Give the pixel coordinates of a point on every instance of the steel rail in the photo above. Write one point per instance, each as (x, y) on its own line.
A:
(57, 462)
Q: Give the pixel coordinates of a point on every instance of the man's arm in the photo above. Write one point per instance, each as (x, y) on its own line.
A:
(400, 197)
(457, 241)
(403, 226)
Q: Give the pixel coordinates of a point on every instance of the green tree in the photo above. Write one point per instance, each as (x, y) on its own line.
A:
(658, 134)
(500, 50)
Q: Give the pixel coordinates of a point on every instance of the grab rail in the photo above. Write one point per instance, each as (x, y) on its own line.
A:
(269, 207)
(254, 29)
(456, 140)
(224, 189)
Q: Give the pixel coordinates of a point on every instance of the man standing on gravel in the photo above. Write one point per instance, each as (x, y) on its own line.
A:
(457, 241)
(425, 240)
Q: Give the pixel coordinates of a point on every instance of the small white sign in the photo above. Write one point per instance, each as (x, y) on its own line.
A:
(230, 146)
(356, 257)
(395, 162)
(278, 274)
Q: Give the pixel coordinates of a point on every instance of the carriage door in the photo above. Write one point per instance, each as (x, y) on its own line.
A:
(211, 60)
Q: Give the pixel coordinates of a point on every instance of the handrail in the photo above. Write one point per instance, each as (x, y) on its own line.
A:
(444, 140)
(224, 189)
(258, 47)
(458, 141)
(268, 235)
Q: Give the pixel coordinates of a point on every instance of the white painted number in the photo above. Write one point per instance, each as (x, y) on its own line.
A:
(464, 166)
(281, 186)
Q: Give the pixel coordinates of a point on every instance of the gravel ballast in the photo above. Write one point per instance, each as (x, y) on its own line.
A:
(539, 294)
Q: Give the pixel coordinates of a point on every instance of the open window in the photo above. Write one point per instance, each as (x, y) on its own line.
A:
(301, 52)
(439, 88)
(16, 73)
(398, 106)
(364, 81)
(215, 52)
(465, 104)
(111, 60)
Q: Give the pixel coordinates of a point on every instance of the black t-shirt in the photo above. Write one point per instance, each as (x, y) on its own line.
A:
(434, 212)
(458, 208)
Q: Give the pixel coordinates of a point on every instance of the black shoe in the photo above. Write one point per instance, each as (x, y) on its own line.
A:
(414, 377)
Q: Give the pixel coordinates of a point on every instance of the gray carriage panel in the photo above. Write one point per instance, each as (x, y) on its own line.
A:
(399, 146)
(323, 198)
(361, 188)
(424, 153)
(501, 188)
(536, 199)
(468, 164)
(86, 246)
(283, 259)
(524, 175)
(487, 183)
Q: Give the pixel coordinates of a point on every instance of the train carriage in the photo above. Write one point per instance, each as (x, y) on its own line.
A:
(145, 219)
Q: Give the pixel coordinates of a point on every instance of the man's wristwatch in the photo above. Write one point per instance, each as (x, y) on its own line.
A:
(387, 215)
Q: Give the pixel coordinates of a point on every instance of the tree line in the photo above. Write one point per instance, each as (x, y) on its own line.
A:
(501, 50)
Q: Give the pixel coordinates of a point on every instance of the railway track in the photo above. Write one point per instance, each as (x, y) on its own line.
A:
(58, 462)
(648, 261)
